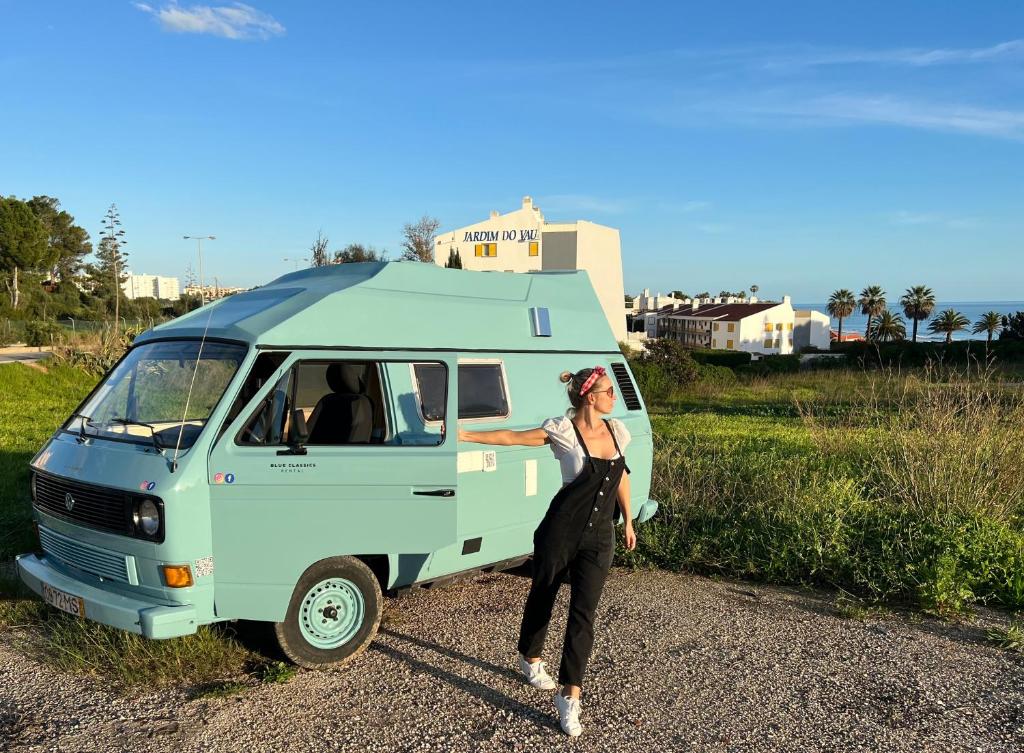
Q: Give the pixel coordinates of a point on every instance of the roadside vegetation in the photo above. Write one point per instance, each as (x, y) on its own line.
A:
(892, 486)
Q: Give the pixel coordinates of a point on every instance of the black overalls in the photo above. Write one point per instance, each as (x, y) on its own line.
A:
(576, 536)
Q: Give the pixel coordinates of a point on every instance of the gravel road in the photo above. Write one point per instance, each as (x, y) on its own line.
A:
(681, 663)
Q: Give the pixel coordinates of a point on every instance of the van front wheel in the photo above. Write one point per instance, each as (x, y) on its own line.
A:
(333, 614)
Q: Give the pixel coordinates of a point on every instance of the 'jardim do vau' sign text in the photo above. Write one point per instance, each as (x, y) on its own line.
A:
(485, 236)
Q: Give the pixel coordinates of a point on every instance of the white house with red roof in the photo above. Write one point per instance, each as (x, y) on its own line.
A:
(756, 327)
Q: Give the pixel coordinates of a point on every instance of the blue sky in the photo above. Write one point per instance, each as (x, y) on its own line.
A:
(797, 146)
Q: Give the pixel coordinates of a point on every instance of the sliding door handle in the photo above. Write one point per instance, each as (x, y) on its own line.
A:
(436, 493)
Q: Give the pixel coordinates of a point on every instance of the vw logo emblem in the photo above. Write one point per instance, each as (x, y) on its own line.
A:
(69, 501)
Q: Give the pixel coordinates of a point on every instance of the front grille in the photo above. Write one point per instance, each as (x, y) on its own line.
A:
(92, 506)
(626, 388)
(91, 559)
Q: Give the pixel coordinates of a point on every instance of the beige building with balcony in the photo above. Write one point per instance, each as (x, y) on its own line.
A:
(524, 241)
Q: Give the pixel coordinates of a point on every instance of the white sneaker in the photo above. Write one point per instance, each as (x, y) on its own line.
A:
(536, 675)
(569, 714)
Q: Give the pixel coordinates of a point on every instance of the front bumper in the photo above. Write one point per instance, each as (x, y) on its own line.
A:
(646, 511)
(134, 615)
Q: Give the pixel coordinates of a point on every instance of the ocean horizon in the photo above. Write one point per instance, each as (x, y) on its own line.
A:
(973, 310)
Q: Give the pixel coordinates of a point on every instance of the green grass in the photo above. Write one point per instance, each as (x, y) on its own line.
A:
(33, 405)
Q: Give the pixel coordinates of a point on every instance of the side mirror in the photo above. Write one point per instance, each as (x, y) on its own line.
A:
(300, 432)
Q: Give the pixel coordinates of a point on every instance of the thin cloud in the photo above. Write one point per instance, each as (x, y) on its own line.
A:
(907, 218)
(782, 109)
(914, 57)
(234, 21)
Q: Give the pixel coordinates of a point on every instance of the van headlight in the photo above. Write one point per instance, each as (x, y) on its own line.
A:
(147, 517)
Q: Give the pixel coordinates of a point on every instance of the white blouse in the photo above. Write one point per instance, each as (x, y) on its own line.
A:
(567, 448)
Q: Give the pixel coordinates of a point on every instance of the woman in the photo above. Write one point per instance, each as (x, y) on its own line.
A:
(577, 535)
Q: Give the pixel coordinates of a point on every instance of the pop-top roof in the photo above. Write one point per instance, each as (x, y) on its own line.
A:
(405, 305)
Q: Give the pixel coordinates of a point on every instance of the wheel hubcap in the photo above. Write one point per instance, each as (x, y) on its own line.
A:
(332, 613)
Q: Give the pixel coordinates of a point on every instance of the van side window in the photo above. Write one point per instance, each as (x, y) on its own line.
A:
(262, 369)
(268, 424)
(482, 391)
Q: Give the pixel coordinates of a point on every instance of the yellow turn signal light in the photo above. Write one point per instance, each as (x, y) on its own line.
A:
(177, 576)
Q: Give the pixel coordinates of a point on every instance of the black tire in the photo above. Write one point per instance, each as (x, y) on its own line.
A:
(289, 633)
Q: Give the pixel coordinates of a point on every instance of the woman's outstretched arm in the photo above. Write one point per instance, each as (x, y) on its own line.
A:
(528, 437)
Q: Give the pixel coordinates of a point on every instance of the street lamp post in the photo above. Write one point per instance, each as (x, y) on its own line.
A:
(296, 260)
(199, 245)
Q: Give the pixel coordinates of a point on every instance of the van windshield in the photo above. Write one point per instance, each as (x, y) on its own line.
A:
(161, 394)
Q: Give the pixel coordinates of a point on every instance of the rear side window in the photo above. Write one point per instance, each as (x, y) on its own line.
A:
(482, 390)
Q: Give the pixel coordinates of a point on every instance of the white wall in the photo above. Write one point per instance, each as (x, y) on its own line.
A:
(812, 328)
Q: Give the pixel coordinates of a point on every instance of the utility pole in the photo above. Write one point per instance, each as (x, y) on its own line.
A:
(199, 245)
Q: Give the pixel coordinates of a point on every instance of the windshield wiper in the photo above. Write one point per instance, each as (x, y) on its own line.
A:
(157, 444)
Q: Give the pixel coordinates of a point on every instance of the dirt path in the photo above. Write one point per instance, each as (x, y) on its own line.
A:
(681, 663)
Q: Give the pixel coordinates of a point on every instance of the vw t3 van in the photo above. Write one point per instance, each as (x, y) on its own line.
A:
(289, 453)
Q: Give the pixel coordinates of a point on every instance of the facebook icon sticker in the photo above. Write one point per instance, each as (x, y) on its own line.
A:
(229, 478)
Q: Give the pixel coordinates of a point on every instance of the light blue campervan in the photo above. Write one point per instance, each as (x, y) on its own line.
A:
(282, 455)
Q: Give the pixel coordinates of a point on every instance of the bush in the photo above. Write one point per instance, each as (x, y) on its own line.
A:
(721, 376)
(40, 333)
(672, 358)
(730, 358)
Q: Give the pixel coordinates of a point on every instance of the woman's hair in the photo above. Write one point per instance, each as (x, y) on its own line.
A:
(574, 383)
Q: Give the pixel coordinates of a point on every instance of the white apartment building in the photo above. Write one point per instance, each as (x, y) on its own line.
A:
(523, 241)
(646, 302)
(151, 286)
(754, 327)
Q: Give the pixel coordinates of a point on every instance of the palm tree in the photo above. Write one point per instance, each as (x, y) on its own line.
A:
(872, 303)
(948, 321)
(754, 289)
(990, 323)
(918, 303)
(888, 326)
(840, 305)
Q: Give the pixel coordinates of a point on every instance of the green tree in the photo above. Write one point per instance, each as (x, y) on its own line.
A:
(418, 243)
(742, 295)
(354, 253)
(678, 295)
(989, 323)
(1013, 327)
(23, 244)
(948, 322)
(68, 243)
(918, 303)
(106, 277)
(840, 305)
(454, 259)
(872, 303)
(888, 326)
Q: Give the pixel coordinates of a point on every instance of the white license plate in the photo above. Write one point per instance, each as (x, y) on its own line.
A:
(64, 601)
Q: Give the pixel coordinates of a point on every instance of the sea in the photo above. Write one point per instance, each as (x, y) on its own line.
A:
(973, 310)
